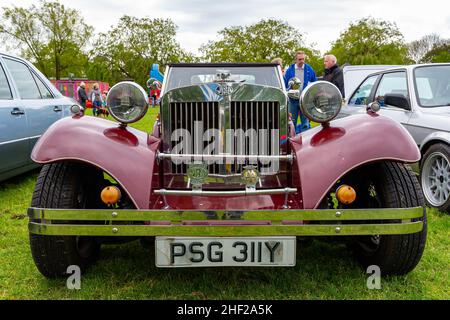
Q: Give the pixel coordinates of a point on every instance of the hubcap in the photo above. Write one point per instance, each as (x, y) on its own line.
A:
(436, 178)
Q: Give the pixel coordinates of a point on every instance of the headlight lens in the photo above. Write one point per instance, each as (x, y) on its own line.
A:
(127, 102)
(321, 101)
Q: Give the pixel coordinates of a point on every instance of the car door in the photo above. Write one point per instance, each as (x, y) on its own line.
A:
(361, 97)
(40, 106)
(393, 82)
(13, 127)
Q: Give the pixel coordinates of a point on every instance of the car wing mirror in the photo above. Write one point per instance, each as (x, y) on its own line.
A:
(294, 94)
(294, 83)
(294, 86)
(397, 100)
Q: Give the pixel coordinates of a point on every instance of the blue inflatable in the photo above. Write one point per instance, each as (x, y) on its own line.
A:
(155, 74)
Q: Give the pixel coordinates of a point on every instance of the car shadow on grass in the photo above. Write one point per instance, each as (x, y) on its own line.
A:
(129, 270)
(19, 180)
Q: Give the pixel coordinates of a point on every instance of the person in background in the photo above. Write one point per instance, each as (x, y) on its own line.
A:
(82, 96)
(279, 61)
(96, 98)
(104, 95)
(306, 74)
(155, 93)
(333, 73)
(103, 110)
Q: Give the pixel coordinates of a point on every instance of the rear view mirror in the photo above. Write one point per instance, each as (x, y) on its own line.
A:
(397, 100)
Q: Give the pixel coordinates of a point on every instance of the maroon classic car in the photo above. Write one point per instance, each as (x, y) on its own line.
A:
(223, 180)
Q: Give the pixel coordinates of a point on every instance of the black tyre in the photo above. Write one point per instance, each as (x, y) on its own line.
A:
(435, 176)
(65, 185)
(389, 185)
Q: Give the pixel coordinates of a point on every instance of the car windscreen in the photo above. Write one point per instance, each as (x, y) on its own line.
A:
(187, 76)
(432, 85)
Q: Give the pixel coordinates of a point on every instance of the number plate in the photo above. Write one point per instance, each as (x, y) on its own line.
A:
(219, 252)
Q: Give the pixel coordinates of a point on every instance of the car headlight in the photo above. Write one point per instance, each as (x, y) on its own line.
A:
(127, 102)
(321, 101)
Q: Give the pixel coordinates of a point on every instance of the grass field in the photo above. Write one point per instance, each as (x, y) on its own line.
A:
(323, 270)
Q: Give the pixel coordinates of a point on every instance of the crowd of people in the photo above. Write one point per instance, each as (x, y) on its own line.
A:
(96, 97)
(306, 74)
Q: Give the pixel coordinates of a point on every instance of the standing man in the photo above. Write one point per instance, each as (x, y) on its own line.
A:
(306, 74)
(82, 96)
(333, 73)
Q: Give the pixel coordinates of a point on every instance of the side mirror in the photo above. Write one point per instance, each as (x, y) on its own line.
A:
(77, 110)
(153, 84)
(294, 90)
(294, 83)
(294, 94)
(397, 100)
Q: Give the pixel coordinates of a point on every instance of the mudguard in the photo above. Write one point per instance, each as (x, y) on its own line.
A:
(325, 154)
(127, 154)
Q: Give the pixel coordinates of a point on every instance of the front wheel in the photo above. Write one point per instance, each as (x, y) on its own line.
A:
(389, 185)
(65, 185)
(435, 176)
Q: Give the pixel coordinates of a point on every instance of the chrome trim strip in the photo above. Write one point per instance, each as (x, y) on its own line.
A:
(225, 231)
(176, 216)
(18, 140)
(162, 156)
(166, 192)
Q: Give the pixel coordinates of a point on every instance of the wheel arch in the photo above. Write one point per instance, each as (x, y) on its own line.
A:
(348, 143)
(434, 138)
(126, 154)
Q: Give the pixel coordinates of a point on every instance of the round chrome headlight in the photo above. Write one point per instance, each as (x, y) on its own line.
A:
(321, 101)
(127, 102)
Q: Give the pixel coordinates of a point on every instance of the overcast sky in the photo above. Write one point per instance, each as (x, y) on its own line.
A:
(321, 20)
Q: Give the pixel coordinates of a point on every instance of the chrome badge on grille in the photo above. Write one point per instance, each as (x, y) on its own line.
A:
(250, 177)
(197, 173)
(224, 89)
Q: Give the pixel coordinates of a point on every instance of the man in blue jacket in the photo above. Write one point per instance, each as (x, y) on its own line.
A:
(306, 74)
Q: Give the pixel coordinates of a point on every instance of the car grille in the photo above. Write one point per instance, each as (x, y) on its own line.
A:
(243, 115)
(255, 115)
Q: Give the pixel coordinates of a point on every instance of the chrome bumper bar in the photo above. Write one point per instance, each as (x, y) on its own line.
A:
(166, 192)
(346, 222)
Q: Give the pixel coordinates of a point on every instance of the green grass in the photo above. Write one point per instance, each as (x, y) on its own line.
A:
(323, 270)
(145, 124)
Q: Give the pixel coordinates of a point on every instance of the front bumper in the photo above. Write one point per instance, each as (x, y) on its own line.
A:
(330, 222)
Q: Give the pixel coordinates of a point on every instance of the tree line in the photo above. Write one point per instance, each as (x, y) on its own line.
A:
(60, 43)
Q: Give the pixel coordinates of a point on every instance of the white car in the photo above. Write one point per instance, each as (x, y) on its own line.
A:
(417, 96)
(353, 75)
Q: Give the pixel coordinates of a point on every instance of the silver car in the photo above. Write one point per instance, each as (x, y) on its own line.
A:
(29, 104)
(417, 96)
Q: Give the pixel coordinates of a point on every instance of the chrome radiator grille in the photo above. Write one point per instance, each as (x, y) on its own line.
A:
(184, 114)
(245, 115)
(257, 115)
